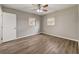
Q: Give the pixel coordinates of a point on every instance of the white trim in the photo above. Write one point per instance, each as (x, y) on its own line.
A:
(27, 36)
(49, 34)
(78, 44)
(63, 37)
(24, 36)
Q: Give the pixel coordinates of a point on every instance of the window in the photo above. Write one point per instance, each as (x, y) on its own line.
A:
(32, 21)
(51, 21)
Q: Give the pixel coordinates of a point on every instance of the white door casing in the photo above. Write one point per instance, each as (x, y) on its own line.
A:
(0, 24)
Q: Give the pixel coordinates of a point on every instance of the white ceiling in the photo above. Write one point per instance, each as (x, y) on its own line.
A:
(29, 7)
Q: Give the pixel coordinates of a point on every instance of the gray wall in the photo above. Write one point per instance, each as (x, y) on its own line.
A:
(23, 29)
(66, 23)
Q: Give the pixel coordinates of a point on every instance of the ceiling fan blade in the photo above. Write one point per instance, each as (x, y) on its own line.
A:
(45, 10)
(43, 7)
(46, 5)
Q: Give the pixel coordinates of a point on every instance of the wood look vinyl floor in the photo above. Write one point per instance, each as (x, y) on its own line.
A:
(39, 44)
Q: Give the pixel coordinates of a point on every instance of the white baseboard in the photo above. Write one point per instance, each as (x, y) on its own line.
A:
(51, 35)
(63, 37)
(78, 43)
(27, 35)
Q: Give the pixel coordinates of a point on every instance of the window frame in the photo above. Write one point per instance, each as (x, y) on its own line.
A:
(51, 21)
(32, 21)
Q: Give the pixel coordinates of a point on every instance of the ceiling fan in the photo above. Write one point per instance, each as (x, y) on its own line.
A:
(40, 7)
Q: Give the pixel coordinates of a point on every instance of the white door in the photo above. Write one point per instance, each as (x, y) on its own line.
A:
(0, 28)
(0, 24)
(9, 26)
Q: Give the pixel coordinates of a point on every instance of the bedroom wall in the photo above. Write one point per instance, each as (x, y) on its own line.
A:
(22, 27)
(65, 23)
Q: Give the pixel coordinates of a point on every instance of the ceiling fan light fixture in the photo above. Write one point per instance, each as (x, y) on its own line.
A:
(39, 10)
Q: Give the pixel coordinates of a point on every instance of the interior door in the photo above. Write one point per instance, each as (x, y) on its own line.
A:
(0, 28)
(9, 26)
(0, 25)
